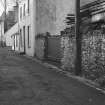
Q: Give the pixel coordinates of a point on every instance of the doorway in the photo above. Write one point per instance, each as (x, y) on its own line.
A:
(24, 39)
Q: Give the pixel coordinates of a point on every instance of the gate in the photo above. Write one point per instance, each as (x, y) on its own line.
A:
(54, 48)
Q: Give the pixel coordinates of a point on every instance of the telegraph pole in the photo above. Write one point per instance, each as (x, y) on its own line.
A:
(78, 59)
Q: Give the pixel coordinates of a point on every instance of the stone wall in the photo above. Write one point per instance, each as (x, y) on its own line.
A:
(40, 49)
(68, 49)
(93, 54)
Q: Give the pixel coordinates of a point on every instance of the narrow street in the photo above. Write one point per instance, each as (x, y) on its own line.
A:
(25, 82)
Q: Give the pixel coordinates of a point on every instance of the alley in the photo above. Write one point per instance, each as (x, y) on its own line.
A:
(25, 82)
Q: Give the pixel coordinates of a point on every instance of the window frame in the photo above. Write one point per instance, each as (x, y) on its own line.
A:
(24, 9)
(16, 41)
(21, 38)
(29, 36)
(20, 13)
(28, 6)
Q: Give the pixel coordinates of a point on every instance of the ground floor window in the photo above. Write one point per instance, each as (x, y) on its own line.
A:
(16, 41)
(29, 36)
(21, 43)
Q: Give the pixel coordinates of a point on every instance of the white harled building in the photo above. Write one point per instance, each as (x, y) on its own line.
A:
(39, 17)
(26, 25)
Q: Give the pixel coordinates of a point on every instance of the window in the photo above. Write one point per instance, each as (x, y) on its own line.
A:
(21, 43)
(16, 41)
(24, 35)
(28, 6)
(29, 37)
(20, 12)
(24, 10)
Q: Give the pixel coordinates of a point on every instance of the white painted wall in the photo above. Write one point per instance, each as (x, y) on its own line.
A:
(64, 7)
(9, 33)
(45, 16)
(28, 20)
(2, 31)
(50, 15)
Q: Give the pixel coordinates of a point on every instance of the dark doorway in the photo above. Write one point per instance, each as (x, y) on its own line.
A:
(24, 39)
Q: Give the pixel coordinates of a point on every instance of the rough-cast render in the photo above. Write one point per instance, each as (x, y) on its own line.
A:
(50, 15)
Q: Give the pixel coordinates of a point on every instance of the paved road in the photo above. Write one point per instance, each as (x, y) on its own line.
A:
(25, 82)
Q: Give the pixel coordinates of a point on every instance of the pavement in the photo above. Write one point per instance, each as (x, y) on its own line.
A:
(27, 82)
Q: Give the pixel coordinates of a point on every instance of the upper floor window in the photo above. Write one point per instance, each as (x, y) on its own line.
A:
(20, 12)
(21, 42)
(24, 9)
(29, 36)
(28, 6)
(16, 41)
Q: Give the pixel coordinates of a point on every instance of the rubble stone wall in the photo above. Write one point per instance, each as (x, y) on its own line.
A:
(40, 46)
(93, 54)
(68, 49)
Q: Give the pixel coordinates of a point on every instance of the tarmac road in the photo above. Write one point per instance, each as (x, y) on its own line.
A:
(26, 82)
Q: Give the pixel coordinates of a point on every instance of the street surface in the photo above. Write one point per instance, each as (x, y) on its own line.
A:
(26, 82)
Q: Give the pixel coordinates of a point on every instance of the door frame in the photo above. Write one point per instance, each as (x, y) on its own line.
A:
(24, 39)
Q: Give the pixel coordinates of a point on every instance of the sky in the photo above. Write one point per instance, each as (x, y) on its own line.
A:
(10, 3)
